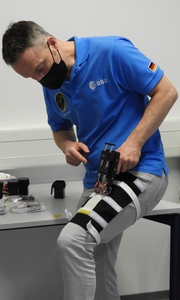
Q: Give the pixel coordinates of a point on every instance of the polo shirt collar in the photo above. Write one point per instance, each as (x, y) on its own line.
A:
(82, 53)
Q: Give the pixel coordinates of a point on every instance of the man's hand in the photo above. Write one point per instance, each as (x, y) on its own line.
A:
(75, 153)
(129, 157)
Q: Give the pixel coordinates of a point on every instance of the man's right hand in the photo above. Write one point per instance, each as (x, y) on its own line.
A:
(75, 153)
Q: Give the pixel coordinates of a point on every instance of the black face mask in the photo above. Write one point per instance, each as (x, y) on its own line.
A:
(56, 75)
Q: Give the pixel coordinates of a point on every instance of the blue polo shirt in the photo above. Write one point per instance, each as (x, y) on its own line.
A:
(106, 98)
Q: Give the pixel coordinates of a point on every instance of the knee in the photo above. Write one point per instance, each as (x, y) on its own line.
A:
(64, 241)
(71, 237)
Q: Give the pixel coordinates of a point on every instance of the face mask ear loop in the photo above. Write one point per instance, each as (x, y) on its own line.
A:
(59, 54)
(50, 52)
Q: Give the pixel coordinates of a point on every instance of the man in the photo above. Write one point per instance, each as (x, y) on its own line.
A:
(112, 93)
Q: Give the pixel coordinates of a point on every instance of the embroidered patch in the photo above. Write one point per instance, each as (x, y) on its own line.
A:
(60, 101)
(152, 66)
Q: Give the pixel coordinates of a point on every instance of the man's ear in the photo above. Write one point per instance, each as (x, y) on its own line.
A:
(52, 42)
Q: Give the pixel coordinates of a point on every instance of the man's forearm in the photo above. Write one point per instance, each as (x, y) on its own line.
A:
(63, 136)
(162, 99)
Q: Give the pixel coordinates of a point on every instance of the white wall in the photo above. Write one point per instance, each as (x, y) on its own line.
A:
(153, 26)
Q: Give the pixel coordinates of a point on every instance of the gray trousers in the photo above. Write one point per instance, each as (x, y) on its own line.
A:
(88, 267)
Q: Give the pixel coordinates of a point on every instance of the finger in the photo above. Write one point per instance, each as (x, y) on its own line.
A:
(118, 168)
(72, 160)
(122, 167)
(79, 156)
(83, 148)
(74, 163)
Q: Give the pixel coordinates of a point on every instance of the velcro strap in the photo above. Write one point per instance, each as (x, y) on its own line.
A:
(99, 210)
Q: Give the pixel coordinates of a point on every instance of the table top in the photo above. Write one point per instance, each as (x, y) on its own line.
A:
(165, 207)
(55, 208)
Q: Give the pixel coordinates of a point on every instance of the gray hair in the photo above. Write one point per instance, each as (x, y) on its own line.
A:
(20, 36)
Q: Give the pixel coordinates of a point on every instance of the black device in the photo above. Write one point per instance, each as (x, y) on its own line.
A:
(59, 189)
(23, 186)
(107, 169)
(1, 189)
(13, 187)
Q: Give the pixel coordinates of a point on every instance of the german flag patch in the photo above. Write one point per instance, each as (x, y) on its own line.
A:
(152, 66)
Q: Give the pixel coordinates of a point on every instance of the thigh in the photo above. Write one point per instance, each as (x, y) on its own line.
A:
(84, 196)
(133, 195)
(155, 187)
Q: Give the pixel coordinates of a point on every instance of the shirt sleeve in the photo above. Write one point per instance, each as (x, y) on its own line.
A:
(133, 70)
(55, 121)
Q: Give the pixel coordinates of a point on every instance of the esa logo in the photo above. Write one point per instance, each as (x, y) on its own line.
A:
(94, 84)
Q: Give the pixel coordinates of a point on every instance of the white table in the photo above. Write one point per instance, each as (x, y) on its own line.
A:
(42, 193)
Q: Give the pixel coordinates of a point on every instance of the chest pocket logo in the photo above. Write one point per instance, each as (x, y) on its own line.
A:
(60, 101)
